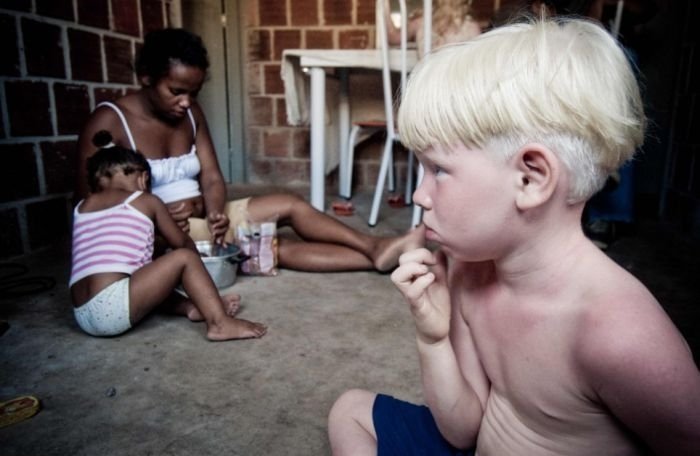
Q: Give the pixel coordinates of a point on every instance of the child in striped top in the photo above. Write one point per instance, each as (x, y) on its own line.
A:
(114, 280)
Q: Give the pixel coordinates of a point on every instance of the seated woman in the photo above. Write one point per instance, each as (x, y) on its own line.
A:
(451, 23)
(163, 121)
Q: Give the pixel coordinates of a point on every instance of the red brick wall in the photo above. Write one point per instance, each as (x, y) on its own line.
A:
(59, 59)
(278, 152)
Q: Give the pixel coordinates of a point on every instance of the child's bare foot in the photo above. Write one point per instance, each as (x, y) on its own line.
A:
(390, 249)
(235, 328)
(232, 303)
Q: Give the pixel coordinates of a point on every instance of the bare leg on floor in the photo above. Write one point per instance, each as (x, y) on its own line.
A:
(330, 243)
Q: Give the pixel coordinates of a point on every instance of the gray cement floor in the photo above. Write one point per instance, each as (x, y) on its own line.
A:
(163, 389)
(179, 394)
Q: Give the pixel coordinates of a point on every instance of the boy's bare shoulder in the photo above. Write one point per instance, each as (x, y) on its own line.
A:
(623, 326)
(634, 360)
(615, 303)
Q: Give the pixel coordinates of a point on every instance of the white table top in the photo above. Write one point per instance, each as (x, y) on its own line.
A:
(294, 61)
(350, 58)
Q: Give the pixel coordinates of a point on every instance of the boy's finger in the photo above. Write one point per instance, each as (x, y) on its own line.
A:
(416, 290)
(406, 273)
(421, 255)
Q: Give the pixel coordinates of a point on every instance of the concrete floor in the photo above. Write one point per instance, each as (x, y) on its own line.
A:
(163, 389)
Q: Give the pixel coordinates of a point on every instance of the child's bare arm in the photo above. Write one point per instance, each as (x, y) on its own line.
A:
(422, 279)
(165, 224)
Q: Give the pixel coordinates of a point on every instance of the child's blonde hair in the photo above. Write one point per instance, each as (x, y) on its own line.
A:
(562, 82)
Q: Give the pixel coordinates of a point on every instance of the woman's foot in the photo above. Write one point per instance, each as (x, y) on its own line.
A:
(235, 328)
(390, 249)
(179, 305)
(231, 303)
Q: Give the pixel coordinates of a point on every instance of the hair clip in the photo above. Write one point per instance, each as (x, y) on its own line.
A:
(103, 139)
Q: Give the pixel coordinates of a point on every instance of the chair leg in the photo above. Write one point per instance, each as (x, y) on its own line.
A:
(391, 181)
(409, 179)
(417, 210)
(417, 216)
(383, 172)
(346, 165)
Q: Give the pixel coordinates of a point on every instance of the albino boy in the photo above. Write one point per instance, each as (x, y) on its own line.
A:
(531, 340)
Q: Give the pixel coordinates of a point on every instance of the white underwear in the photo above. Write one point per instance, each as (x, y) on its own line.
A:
(107, 313)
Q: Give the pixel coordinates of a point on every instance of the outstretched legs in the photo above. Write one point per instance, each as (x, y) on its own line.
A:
(329, 245)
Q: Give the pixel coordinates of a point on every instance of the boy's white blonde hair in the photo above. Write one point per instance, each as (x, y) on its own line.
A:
(562, 82)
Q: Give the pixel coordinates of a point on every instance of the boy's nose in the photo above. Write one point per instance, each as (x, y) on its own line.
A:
(421, 197)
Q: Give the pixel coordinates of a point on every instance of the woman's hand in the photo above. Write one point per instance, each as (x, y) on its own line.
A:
(218, 226)
(180, 212)
(421, 278)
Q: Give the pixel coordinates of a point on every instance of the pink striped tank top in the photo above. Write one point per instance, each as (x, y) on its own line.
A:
(116, 239)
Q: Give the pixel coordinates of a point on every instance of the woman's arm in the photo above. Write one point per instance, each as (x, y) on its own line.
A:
(211, 180)
(164, 223)
(102, 118)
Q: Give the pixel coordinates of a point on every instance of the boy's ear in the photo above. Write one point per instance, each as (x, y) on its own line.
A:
(145, 80)
(538, 173)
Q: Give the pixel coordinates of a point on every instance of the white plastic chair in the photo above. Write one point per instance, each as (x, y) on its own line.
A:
(387, 124)
(427, 45)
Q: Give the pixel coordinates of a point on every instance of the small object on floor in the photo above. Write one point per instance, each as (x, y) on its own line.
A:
(396, 201)
(18, 409)
(111, 392)
(343, 208)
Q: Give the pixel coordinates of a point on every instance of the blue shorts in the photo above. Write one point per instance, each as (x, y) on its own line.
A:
(405, 429)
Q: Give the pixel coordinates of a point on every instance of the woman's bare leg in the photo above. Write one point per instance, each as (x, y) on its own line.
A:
(350, 426)
(318, 257)
(334, 241)
(151, 284)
